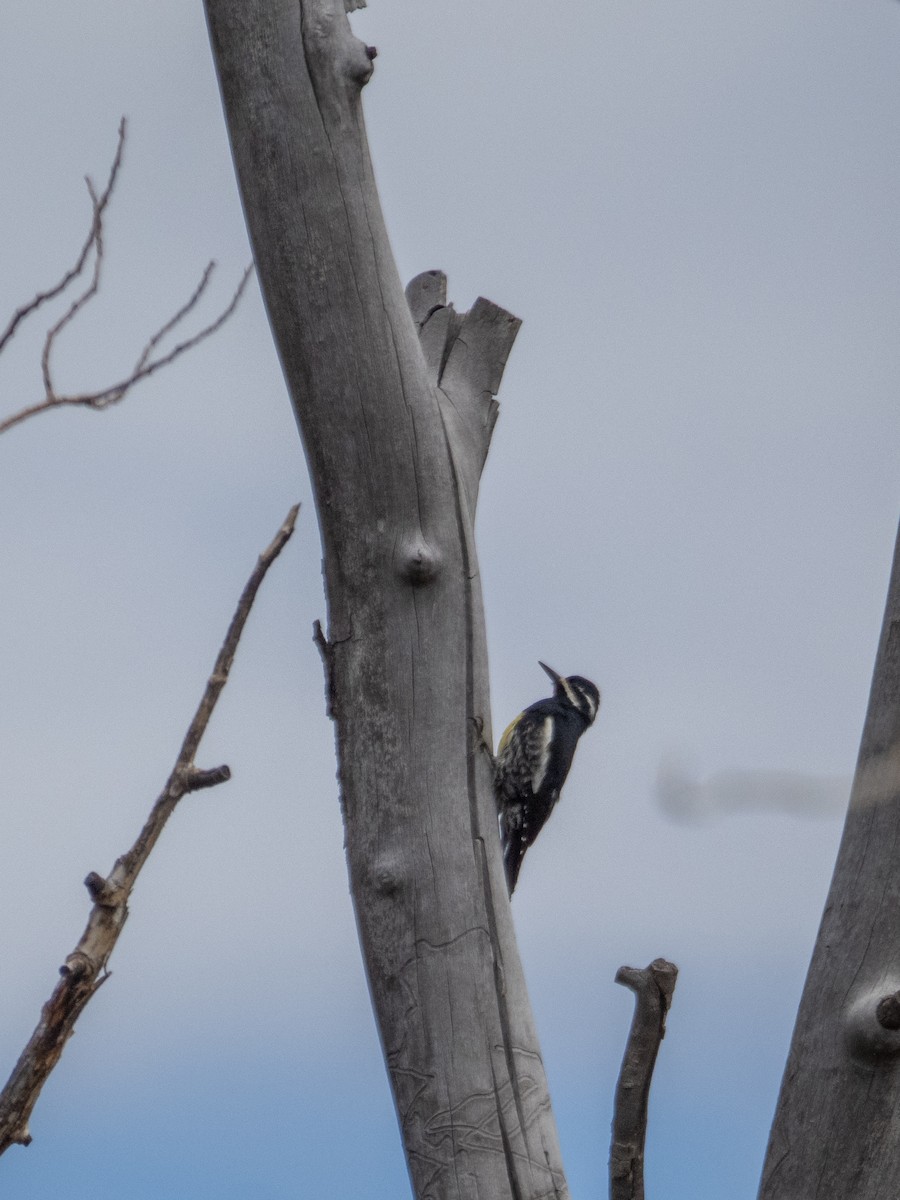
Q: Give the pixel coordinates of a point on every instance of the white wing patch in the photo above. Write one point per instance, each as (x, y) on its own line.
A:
(546, 736)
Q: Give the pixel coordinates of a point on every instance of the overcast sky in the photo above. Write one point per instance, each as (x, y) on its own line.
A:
(691, 498)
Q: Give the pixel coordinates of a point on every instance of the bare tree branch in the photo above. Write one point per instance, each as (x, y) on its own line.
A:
(98, 205)
(85, 969)
(198, 291)
(146, 364)
(653, 987)
(80, 301)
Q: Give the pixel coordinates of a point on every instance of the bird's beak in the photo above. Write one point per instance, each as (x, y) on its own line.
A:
(554, 675)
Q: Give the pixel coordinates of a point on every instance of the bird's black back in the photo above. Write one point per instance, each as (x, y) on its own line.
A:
(533, 760)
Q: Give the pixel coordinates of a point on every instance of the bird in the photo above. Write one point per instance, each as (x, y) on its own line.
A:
(533, 760)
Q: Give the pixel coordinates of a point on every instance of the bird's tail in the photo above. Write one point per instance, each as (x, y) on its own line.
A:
(513, 853)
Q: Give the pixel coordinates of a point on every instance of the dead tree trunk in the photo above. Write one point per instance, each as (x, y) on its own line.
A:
(837, 1127)
(396, 439)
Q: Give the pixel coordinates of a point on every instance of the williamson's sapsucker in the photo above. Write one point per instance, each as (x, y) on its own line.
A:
(533, 760)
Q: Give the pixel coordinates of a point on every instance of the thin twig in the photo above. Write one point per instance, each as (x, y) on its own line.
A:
(111, 395)
(78, 303)
(146, 364)
(198, 291)
(98, 205)
(653, 987)
(85, 969)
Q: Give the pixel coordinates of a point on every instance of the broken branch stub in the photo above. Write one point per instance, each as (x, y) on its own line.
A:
(653, 987)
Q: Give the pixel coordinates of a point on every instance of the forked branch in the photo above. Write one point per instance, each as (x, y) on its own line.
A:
(653, 987)
(99, 204)
(85, 969)
(149, 361)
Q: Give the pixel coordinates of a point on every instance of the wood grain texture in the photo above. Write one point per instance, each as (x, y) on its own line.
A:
(653, 988)
(396, 439)
(837, 1127)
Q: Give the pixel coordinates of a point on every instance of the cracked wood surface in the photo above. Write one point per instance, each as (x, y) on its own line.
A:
(837, 1127)
(396, 433)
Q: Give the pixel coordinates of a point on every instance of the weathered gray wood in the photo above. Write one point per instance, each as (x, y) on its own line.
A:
(837, 1127)
(653, 988)
(395, 442)
(465, 354)
(425, 295)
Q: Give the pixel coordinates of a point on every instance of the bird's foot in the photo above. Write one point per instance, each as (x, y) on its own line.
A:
(481, 742)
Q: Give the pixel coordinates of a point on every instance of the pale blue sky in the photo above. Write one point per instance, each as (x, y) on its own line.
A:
(691, 497)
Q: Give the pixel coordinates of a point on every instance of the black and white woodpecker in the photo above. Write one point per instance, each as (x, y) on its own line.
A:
(533, 760)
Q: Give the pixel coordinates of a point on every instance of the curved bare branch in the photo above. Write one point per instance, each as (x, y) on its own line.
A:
(98, 204)
(85, 969)
(146, 364)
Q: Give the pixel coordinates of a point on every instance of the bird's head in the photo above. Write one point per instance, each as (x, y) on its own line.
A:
(576, 692)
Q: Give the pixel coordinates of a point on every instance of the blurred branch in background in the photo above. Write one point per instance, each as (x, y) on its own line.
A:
(146, 364)
(685, 797)
(85, 969)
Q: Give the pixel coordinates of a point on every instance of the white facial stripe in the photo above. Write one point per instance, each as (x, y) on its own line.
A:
(592, 705)
(541, 770)
(573, 699)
